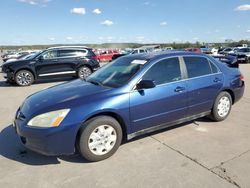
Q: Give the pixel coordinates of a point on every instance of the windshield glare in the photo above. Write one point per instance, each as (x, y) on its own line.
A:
(117, 73)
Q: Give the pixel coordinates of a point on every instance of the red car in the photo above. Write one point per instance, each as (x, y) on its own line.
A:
(106, 55)
(195, 50)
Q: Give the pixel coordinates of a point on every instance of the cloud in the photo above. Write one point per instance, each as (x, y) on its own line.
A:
(140, 39)
(243, 7)
(163, 23)
(248, 31)
(35, 2)
(97, 11)
(107, 23)
(146, 3)
(51, 38)
(69, 38)
(81, 11)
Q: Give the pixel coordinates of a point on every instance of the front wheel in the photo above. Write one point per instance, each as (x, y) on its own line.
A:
(84, 72)
(99, 138)
(222, 107)
(24, 78)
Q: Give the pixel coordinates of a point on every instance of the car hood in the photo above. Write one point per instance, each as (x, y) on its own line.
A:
(17, 61)
(60, 97)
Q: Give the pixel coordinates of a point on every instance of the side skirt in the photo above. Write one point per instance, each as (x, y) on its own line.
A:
(165, 125)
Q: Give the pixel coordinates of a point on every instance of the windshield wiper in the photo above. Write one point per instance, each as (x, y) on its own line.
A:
(95, 82)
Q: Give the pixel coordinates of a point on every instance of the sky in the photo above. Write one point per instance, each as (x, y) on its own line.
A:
(29, 22)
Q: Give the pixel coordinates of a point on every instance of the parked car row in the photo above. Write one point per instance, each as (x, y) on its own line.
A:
(241, 53)
(24, 67)
(13, 56)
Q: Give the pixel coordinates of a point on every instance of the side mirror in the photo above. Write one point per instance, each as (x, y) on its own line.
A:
(40, 58)
(145, 84)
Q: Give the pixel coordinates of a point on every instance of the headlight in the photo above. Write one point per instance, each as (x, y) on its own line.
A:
(50, 119)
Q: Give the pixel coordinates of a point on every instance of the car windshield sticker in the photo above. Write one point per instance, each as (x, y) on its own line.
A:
(137, 61)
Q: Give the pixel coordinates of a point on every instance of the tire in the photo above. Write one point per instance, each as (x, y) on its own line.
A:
(222, 107)
(83, 72)
(24, 78)
(99, 138)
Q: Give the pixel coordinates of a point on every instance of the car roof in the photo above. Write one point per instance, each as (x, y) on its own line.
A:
(69, 47)
(164, 54)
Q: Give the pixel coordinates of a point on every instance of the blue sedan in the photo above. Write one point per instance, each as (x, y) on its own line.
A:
(133, 95)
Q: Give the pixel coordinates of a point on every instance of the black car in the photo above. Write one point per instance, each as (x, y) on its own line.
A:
(51, 63)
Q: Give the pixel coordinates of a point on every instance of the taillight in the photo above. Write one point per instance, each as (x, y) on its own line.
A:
(241, 77)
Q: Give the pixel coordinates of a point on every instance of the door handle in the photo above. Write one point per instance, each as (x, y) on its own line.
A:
(217, 80)
(55, 60)
(179, 89)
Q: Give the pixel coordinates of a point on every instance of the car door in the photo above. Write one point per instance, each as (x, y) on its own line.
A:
(56, 63)
(47, 64)
(165, 103)
(204, 83)
(69, 59)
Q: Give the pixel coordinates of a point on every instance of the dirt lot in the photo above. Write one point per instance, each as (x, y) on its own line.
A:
(199, 154)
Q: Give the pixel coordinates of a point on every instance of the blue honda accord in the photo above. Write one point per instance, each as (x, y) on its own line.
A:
(133, 95)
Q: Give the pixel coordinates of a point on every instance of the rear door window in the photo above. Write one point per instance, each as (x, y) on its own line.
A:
(197, 66)
(66, 53)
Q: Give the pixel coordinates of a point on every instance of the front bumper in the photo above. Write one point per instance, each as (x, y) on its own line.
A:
(47, 141)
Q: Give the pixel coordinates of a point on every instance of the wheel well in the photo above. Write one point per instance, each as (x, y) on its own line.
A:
(111, 114)
(27, 69)
(231, 93)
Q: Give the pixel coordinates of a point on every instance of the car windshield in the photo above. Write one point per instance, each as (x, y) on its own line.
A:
(117, 73)
(31, 56)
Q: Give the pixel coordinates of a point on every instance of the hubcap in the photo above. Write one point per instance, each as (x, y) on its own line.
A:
(223, 106)
(24, 78)
(84, 72)
(102, 139)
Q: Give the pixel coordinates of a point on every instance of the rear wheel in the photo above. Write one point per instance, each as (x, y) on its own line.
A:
(24, 78)
(222, 107)
(99, 138)
(84, 72)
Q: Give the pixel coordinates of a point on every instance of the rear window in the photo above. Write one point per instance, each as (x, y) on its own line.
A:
(90, 53)
(197, 66)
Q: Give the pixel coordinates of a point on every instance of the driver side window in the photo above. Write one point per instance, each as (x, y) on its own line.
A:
(165, 71)
(50, 55)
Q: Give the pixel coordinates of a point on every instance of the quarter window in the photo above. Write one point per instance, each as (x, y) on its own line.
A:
(165, 71)
(213, 67)
(197, 66)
